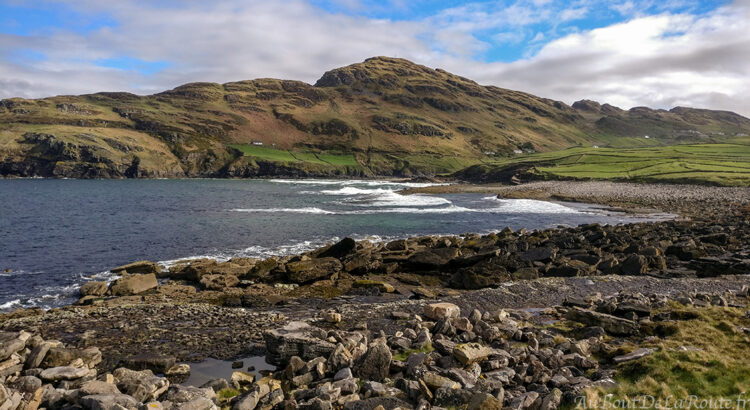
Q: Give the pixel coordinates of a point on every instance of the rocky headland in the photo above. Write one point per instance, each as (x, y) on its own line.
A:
(513, 319)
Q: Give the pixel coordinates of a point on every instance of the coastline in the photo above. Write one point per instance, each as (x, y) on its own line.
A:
(203, 309)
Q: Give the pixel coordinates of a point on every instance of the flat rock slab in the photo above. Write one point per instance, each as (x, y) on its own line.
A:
(138, 267)
(150, 361)
(64, 373)
(634, 355)
(612, 324)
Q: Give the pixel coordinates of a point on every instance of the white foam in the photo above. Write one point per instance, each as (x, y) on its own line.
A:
(446, 210)
(531, 206)
(350, 182)
(310, 210)
(11, 304)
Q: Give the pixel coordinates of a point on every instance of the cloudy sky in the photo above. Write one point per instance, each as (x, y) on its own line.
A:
(658, 53)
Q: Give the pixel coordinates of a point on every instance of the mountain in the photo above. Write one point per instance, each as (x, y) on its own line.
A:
(384, 116)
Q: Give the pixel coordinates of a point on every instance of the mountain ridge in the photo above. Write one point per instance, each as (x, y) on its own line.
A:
(381, 117)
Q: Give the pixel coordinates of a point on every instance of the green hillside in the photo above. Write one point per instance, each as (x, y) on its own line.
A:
(385, 117)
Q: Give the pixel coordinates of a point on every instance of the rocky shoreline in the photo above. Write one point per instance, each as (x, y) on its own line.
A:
(442, 356)
(354, 304)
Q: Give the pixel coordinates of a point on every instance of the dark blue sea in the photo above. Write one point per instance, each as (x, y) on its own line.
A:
(57, 234)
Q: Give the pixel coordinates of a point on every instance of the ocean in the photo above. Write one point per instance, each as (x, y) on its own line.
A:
(57, 234)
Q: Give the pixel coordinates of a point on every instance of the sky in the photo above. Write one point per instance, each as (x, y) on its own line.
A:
(656, 53)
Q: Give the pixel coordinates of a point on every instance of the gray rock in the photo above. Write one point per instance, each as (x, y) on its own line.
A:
(295, 339)
(142, 385)
(96, 387)
(37, 355)
(343, 374)
(64, 373)
(375, 364)
(340, 358)
(108, 401)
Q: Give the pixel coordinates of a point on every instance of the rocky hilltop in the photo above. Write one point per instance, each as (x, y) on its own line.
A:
(381, 117)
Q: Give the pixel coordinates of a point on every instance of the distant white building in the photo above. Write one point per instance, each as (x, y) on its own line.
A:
(489, 152)
(646, 137)
(257, 143)
(517, 151)
(594, 146)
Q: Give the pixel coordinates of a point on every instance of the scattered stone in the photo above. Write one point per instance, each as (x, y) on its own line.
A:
(634, 355)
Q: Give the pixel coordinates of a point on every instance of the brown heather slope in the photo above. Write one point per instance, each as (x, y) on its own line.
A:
(385, 116)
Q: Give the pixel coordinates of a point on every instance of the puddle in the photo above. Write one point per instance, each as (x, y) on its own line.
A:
(211, 369)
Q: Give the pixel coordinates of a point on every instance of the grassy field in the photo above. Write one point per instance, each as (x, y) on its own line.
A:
(705, 358)
(716, 164)
(280, 155)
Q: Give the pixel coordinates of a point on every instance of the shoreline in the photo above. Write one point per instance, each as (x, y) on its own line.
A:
(686, 199)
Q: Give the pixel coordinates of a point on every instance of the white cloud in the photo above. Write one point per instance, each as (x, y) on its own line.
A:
(659, 61)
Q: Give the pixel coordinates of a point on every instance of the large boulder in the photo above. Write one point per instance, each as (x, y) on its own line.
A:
(340, 249)
(142, 267)
(486, 273)
(634, 265)
(295, 339)
(375, 364)
(310, 270)
(133, 284)
(432, 258)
